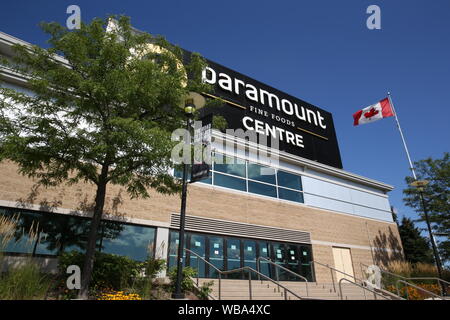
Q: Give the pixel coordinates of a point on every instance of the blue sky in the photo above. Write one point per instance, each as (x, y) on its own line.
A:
(320, 51)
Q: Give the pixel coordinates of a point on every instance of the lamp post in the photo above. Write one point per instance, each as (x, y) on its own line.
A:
(420, 184)
(192, 102)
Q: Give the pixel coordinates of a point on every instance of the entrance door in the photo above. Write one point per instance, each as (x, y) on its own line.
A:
(343, 262)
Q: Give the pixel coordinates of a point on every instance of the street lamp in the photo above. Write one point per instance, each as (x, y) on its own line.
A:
(420, 185)
(192, 102)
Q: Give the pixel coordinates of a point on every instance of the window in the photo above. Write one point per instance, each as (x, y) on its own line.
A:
(260, 173)
(263, 189)
(57, 233)
(289, 180)
(242, 175)
(291, 195)
(229, 182)
(135, 242)
(228, 253)
(230, 165)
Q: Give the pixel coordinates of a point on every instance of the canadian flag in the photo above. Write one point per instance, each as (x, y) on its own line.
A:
(377, 111)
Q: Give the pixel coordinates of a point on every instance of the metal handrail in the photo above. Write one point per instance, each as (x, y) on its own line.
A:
(258, 267)
(405, 279)
(250, 270)
(331, 271)
(375, 294)
(417, 287)
(439, 281)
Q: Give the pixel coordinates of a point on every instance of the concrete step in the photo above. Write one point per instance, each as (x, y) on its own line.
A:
(236, 289)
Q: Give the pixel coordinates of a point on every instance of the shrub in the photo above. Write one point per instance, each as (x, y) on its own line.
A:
(205, 290)
(24, 282)
(186, 283)
(110, 271)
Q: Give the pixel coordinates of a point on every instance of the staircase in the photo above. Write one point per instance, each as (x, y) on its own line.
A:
(232, 289)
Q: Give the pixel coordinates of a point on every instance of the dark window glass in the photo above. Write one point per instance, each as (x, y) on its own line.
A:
(229, 165)
(263, 189)
(197, 245)
(293, 262)
(305, 259)
(207, 181)
(173, 250)
(74, 234)
(229, 182)
(234, 257)
(249, 251)
(289, 180)
(22, 242)
(287, 194)
(260, 173)
(135, 242)
(280, 257)
(264, 248)
(216, 255)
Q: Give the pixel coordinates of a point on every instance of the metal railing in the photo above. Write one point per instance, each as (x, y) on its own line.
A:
(444, 286)
(249, 269)
(277, 266)
(407, 284)
(406, 280)
(313, 263)
(375, 294)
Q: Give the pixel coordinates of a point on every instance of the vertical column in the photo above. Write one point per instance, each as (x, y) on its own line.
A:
(162, 247)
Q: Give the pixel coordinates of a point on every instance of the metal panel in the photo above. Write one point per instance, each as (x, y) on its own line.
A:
(200, 224)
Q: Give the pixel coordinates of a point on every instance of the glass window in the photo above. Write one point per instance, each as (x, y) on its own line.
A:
(74, 234)
(289, 180)
(263, 189)
(173, 250)
(280, 257)
(230, 165)
(291, 195)
(249, 251)
(216, 255)
(197, 245)
(264, 248)
(292, 262)
(135, 242)
(305, 259)
(229, 182)
(234, 257)
(260, 173)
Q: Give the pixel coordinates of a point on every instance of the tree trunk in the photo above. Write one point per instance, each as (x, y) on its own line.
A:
(93, 233)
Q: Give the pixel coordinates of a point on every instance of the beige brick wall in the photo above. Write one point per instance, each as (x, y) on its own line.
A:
(325, 226)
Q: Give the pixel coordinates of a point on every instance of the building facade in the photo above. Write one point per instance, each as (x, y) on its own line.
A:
(295, 208)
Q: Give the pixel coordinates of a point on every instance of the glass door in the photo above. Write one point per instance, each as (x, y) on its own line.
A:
(234, 257)
(279, 257)
(264, 252)
(293, 262)
(197, 245)
(250, 256)
(216, 255)
(305, 259)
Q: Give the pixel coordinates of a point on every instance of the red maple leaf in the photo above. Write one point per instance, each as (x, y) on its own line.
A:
(371, 113)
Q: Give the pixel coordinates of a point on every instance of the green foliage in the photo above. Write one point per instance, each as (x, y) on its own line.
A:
(186, 283)
(102, 111)
(205, 290)
(415, 246)
(436, 196)
(24, 282)
(110, 271)
(143, 285)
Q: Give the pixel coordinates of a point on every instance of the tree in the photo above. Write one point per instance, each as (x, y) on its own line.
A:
(104, 114)
(436, 197)
(415, 247)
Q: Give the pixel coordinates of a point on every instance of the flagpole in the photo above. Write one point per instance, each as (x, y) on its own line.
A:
(403, 138)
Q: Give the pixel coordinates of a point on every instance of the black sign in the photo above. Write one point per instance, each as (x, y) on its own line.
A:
(302, 129)
(202, 149)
